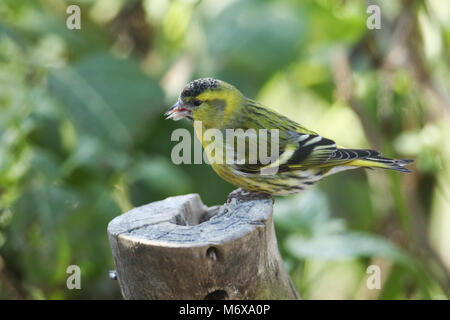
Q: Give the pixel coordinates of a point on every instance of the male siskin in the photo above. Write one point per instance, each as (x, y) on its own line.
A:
(304, 156)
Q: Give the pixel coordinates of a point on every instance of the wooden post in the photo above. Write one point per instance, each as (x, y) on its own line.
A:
(178, 248)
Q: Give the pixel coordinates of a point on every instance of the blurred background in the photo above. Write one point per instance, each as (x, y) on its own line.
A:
(83, 137)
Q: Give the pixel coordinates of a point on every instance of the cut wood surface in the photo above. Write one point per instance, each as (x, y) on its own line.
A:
(178, 248)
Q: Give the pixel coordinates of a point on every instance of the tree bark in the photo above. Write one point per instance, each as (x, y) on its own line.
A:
(178, 248)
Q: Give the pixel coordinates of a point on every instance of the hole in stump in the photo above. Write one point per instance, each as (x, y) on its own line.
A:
(217, 295)
(212, 253)
(193, 214)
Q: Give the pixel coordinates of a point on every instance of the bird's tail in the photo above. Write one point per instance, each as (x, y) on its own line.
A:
(372, 159)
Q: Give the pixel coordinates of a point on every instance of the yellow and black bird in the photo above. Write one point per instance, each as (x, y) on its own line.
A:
(304, 157)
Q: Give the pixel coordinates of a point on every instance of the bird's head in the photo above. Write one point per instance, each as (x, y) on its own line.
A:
(207, 100)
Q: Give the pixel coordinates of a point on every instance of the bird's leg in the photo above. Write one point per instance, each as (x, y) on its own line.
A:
(245, 195)
(236, 194)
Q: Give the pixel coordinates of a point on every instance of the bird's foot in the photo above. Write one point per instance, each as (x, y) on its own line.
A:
(242, 195)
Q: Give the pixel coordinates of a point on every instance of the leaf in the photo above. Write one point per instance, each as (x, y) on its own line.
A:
(307, 213)
(160, 174)
(255, 38)
(314, 234)
(345, 246)
(102, 103)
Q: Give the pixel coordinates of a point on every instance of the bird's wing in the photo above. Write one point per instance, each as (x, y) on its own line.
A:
(298, 147)
(293, 147)
(303, 152)
(312, 150)
(315, 151)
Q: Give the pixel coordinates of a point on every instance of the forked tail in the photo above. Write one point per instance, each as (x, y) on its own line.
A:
(370, 159)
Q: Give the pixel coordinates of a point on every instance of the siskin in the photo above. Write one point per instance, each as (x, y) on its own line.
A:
(303, 157)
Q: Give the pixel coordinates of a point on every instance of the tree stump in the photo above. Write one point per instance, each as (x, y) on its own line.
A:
(178, 248)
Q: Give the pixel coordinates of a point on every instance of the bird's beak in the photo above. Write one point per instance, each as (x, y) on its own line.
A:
(177, 111)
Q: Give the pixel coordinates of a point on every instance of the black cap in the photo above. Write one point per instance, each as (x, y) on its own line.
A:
(194, 88)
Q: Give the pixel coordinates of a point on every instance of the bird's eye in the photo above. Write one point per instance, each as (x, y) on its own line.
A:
(197, 102)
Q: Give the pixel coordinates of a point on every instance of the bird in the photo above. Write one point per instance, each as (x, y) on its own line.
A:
(303, 158)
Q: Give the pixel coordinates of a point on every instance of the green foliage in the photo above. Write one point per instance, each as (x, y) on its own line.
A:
(102, 104)
(261, 39)
(83, 139)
